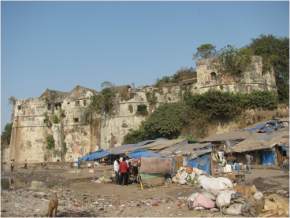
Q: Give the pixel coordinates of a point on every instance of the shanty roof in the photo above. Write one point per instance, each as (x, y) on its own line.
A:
(229, 136)
(161, 144)
(185, 148)
(260, 141)
(128, 147)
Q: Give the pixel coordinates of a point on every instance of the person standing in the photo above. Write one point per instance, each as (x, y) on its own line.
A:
(25, 164)
(12, 165)
(249, 159)
(116, 170)
(123, 172)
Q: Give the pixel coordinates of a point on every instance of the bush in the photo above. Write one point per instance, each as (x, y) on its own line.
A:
(134, 136)
(167, 121)
(198, 111)
(216, 105)
(259, 99)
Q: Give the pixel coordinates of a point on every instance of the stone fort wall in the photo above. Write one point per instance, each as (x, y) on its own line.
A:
(74, 136)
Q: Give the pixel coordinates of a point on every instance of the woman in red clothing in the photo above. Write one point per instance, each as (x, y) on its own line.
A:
(123, 172)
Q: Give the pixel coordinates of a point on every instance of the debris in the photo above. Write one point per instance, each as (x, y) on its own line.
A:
(276, 205)
(214, 185)
(234, 209)
(258, 195)
(199, 200)
(246, 190)
(187, 175)
(224, 198)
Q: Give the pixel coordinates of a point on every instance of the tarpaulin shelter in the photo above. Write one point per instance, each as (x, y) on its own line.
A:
(95, 155)
(142, 153)
(268, 157)
(201, 162)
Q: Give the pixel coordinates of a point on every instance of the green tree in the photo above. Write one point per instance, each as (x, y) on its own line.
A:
(205, 51)
(6, 135)
(234, 61)
(167, 121)
(103, 102)
(275, 52)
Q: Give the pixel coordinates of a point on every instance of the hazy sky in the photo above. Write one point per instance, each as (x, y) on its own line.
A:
(58, 45)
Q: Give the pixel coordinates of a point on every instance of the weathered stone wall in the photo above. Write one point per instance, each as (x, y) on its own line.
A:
(209, 78)
(75, 135)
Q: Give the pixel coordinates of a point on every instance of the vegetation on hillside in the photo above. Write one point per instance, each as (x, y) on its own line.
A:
(273, 50)
(200, 110)
(180, 75)
(275, 53)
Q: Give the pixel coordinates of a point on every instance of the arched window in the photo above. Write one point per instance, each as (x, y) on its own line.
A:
(213, 76)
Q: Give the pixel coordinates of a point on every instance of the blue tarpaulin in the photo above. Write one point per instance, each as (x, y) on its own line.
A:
(142, 153)
(201, 162)
(268, 157)
(95, 155)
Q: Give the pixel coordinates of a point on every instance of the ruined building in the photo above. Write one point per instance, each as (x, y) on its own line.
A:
(57, 125)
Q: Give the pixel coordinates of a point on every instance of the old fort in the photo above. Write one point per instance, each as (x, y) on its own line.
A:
(63, 115)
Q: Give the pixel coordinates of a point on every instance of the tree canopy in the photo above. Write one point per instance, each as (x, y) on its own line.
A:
(275, 53)
(6, 135)
(205, 51)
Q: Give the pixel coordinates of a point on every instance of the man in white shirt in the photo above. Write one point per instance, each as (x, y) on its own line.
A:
(116, 170)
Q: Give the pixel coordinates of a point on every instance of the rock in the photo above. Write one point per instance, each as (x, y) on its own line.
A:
(258, 195)
(214, 209)
(234, 209)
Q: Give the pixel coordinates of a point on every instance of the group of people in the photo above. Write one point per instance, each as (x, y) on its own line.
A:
(123, 170)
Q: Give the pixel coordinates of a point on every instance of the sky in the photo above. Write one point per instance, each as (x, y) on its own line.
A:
(59, 45)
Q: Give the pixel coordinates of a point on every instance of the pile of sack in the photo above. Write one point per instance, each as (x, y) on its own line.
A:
(187, 175)
(243, 200)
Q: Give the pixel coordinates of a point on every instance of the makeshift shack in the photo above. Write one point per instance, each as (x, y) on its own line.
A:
(267, 149)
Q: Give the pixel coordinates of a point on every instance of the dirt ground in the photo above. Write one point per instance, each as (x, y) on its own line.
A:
(80, 195)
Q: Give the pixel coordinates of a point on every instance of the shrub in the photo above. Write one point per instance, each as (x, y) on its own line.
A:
(216, 105)
(259, 99)
(50, 144)
(167, 121)
(134, 136)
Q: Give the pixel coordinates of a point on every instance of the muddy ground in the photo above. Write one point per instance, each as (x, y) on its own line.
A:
(80, 195)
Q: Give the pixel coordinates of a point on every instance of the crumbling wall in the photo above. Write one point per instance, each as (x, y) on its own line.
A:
(253, 79)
